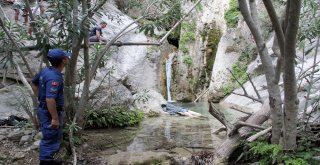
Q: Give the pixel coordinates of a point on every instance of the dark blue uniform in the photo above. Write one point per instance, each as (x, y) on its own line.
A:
(50, 84)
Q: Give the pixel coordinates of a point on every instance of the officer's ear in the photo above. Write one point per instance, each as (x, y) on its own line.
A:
(65, 60)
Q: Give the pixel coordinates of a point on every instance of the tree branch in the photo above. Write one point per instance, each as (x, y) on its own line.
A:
(16, 46)
(215, 112)
(276, 24)
(244, 90)
(259, 134)
(311, 81)
(250, 97)
(254, 87)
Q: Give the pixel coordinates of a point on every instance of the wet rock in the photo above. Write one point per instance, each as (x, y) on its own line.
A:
(18, 155)
(15, 135)
(38, 136)
(180, 160)
(25, 139)
(4, 131)
(15, 120)
(35, 145)
(215, 96)
(153, 103)
(148, 157)
(2, 137)
(27, 132)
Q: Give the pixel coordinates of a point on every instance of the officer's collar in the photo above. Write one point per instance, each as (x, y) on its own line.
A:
(55, 69)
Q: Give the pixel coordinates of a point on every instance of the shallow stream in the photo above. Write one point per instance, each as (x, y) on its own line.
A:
(159, 134)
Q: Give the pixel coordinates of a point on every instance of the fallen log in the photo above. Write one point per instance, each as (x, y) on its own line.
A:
(232, 142)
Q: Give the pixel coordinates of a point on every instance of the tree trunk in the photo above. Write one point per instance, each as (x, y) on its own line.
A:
(70, 74)
(290, 87)
(85, 91)
(273, 88)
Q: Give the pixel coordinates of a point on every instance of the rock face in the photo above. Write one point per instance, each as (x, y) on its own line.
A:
(225, 58)
(304, 66)
(134, 69)
(196, 48)
(227, 54)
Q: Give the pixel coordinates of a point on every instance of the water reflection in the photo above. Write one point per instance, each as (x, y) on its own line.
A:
(167, 132)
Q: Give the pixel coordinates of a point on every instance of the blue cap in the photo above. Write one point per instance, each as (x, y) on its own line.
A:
(57, 54)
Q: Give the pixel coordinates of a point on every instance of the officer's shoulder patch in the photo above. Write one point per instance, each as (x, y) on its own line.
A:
(53, 89)
(55, 83)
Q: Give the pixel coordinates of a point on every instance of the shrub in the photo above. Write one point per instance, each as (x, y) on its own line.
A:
(113, 117)
(232, 14)
(187, 60)
(267, 154)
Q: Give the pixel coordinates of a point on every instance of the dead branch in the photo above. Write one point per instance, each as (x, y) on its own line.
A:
(241, 124)
(259, 134)
(215, 112)
(257, 118)
(201, 95)
(254, 87)
(237, 108)
(250, 97)
(220, 130)
(243, 88)
(311, 81)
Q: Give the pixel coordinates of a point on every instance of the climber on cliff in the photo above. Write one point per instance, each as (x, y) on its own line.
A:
(96, 35)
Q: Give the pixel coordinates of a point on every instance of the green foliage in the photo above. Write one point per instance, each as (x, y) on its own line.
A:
(187, 60)
(18, 33)
(269, 153)
(125, 6)
(113, 117)
(161, 21)
(213, 38)
(184, 49)
(199, 7)
(239, 69)
(296, 161)
(309, 20)
(187, 35)
(232, 14)
(227, 89)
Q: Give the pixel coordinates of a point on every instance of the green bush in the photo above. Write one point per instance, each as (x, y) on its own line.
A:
(113, 117)
(239, 70)
(267, 154)
(232, 14)
(187, 60)
(188, 34)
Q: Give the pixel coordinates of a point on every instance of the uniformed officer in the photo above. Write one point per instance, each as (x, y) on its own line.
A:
(48, 84)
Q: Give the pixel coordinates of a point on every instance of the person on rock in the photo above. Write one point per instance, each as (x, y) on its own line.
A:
(96, 35)
(17, 6)
(48, 84)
